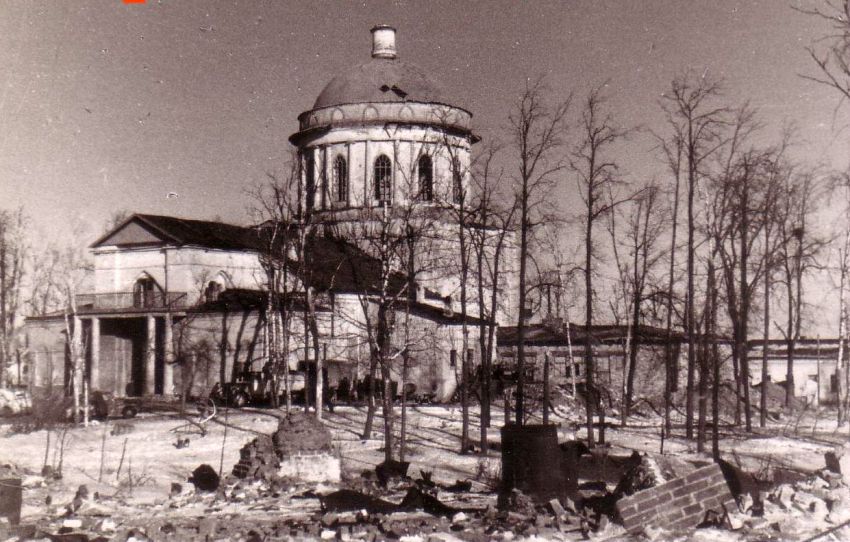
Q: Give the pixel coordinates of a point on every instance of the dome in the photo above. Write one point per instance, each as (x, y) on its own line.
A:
(380, 80)
(383, 90)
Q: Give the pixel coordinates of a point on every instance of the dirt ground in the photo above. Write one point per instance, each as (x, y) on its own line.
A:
(128, 467)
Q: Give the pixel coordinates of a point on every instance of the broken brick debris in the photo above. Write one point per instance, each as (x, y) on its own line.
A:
(299, 449)
(257, 459)
(390, 470)
(740, 482)
(347, 500)
(681, 503)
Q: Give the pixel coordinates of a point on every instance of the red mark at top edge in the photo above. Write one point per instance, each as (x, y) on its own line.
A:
(134, 1)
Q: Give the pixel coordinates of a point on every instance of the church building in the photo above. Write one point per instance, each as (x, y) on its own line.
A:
(177, 305)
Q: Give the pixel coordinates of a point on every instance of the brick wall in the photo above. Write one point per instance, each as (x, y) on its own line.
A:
(677, 504)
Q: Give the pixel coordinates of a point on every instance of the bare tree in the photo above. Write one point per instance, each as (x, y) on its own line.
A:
(770, 247)
(537, 132)
(644, 226)
(491, 237)
(743, 182)
(374, 251)
(673, 152)
(799, 249)
(275, 206)
(841, 361)
(830, 54)
(597, 178)
(14, 251)
(72, 266)
(696, 125)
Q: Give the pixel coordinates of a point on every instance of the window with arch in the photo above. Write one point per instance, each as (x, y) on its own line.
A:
(426, 178)
(383, 179)
(310, 180)
(212, 291)
(145, 293)
(457, 181)
(340, 171)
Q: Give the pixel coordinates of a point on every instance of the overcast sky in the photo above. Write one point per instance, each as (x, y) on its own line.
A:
(106, 106)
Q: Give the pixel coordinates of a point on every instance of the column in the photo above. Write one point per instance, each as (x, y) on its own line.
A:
(94, 345)
(150, 357)
(168, 366)
(78, 358)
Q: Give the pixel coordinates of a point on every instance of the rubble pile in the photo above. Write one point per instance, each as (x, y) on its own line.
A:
(301, 448)
(681, 503)
(299, 433)
(257, 459)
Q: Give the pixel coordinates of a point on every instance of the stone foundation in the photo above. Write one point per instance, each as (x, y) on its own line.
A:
(311, 467)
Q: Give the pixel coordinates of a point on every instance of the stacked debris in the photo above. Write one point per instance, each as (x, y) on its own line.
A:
(257, 459)
(300, 449)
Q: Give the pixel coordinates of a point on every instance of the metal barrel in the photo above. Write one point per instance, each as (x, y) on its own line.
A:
(531, 461)
(10, 499)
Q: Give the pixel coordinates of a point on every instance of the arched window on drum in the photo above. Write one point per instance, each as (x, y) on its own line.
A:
(340, 172)
(426, 178)
(383, 176)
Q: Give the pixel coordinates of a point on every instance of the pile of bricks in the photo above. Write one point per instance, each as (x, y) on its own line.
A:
(679, 504)
(257, 459)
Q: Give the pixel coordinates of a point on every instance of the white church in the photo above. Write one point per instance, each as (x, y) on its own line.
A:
(177, 305)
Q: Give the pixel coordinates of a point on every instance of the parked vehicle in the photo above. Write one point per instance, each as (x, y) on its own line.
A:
(257, 388)
(15, 402)
(104, 404)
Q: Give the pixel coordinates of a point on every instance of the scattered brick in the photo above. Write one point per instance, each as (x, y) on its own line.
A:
(677, 504)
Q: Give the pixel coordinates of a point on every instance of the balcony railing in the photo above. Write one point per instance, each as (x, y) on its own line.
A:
(132, 300)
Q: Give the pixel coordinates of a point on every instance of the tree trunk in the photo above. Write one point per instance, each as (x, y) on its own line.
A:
(765, 343)
(402, 445)
(384, 341)
(388, 410)
(591, 396)
(745, 307)
(789, 351)
(671, 365)
(485, 354)
(317, 356)
(702, 389)
(633, 354)
(689, 399)
(715, 363)
(840, 362)
(370, 399)
(465, 361)
(4, 331)
(523, 256)
(546, 388)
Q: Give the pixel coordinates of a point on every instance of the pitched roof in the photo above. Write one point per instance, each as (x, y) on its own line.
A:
(337, 265)
(183, 231)
(332, 263)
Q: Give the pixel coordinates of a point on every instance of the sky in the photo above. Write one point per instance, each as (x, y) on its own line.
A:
(106, 106)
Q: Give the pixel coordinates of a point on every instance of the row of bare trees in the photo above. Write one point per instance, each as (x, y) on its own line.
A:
(748, 219)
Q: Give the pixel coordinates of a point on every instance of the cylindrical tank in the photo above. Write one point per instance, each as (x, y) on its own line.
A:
(531, 461)
(11, 499)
